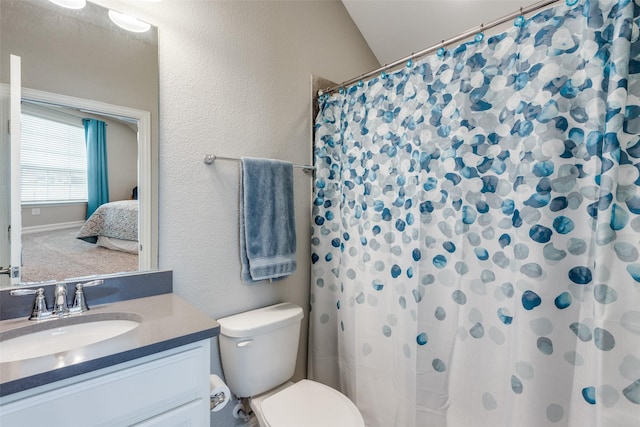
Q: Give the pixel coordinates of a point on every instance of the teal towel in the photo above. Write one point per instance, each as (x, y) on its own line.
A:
(267, 223)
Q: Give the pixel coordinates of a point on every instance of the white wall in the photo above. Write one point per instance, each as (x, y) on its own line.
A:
(122, 157)
(411, 26)
(235, 81)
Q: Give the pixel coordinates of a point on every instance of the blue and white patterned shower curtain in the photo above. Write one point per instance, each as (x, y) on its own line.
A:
(477, 231)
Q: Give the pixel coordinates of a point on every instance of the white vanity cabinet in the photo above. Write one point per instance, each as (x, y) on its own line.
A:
(166, 389)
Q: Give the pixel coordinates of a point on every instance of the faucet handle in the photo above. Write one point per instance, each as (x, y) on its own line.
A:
(40, 310)
(79, 300)
(89, 284)
(21, 292)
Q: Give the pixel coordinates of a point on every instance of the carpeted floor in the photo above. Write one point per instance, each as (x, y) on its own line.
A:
(58, 255)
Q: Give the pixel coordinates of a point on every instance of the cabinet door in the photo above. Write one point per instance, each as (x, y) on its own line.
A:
(121, 397)
(189, 415)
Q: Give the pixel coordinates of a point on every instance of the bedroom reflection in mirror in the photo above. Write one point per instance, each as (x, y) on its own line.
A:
(56, 162)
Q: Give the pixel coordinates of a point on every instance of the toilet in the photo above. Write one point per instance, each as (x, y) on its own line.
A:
(259, 350)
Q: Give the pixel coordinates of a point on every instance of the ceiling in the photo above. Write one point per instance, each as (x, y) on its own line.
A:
(395, 29)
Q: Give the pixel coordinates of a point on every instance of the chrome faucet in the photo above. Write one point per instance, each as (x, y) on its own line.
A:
(79, 300)
(60, 307)
(40, 310)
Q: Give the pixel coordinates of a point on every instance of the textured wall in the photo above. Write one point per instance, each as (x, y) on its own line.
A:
(235, 81)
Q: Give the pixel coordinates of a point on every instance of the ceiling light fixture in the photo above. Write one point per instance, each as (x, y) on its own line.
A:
(70, 4)
(129, 23)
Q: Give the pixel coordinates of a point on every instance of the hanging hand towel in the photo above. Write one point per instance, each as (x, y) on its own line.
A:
(267, 223)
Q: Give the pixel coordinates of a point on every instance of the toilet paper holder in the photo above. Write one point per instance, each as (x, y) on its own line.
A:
(217, 399)
(219, 394)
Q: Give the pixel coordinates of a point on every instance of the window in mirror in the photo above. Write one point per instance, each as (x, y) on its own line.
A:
(53, 160)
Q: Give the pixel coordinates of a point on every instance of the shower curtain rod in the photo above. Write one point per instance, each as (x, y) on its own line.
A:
(210, 158)
(520, 12)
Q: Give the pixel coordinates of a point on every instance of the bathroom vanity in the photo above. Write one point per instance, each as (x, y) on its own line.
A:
(156, 373)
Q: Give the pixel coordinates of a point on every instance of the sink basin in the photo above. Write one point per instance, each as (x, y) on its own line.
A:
(60, 335)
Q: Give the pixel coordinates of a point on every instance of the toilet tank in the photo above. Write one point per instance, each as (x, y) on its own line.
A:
(259, 348)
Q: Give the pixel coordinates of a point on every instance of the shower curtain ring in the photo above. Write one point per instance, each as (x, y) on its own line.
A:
(519, 22)
(441, 51)
(480, 36)
(410, 61)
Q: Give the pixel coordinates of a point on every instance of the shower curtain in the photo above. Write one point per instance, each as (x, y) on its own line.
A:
(476, 231)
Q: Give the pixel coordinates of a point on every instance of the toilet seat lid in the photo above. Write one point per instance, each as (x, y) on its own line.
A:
(310, 404)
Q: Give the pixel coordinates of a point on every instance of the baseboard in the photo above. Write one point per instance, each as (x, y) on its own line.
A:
(51, 227)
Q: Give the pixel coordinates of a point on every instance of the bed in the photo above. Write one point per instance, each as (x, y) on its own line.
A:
(113, 225)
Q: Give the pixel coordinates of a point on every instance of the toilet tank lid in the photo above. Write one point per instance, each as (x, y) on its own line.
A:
(261, 320)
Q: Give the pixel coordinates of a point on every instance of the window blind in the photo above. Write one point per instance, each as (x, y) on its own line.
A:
(54, 160)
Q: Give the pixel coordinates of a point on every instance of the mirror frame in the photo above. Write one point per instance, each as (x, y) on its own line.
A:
(145, 262)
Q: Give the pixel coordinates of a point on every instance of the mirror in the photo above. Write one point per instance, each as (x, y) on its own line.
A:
(79, 63)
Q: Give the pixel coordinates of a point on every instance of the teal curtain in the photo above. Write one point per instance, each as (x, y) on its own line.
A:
(95, 133)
